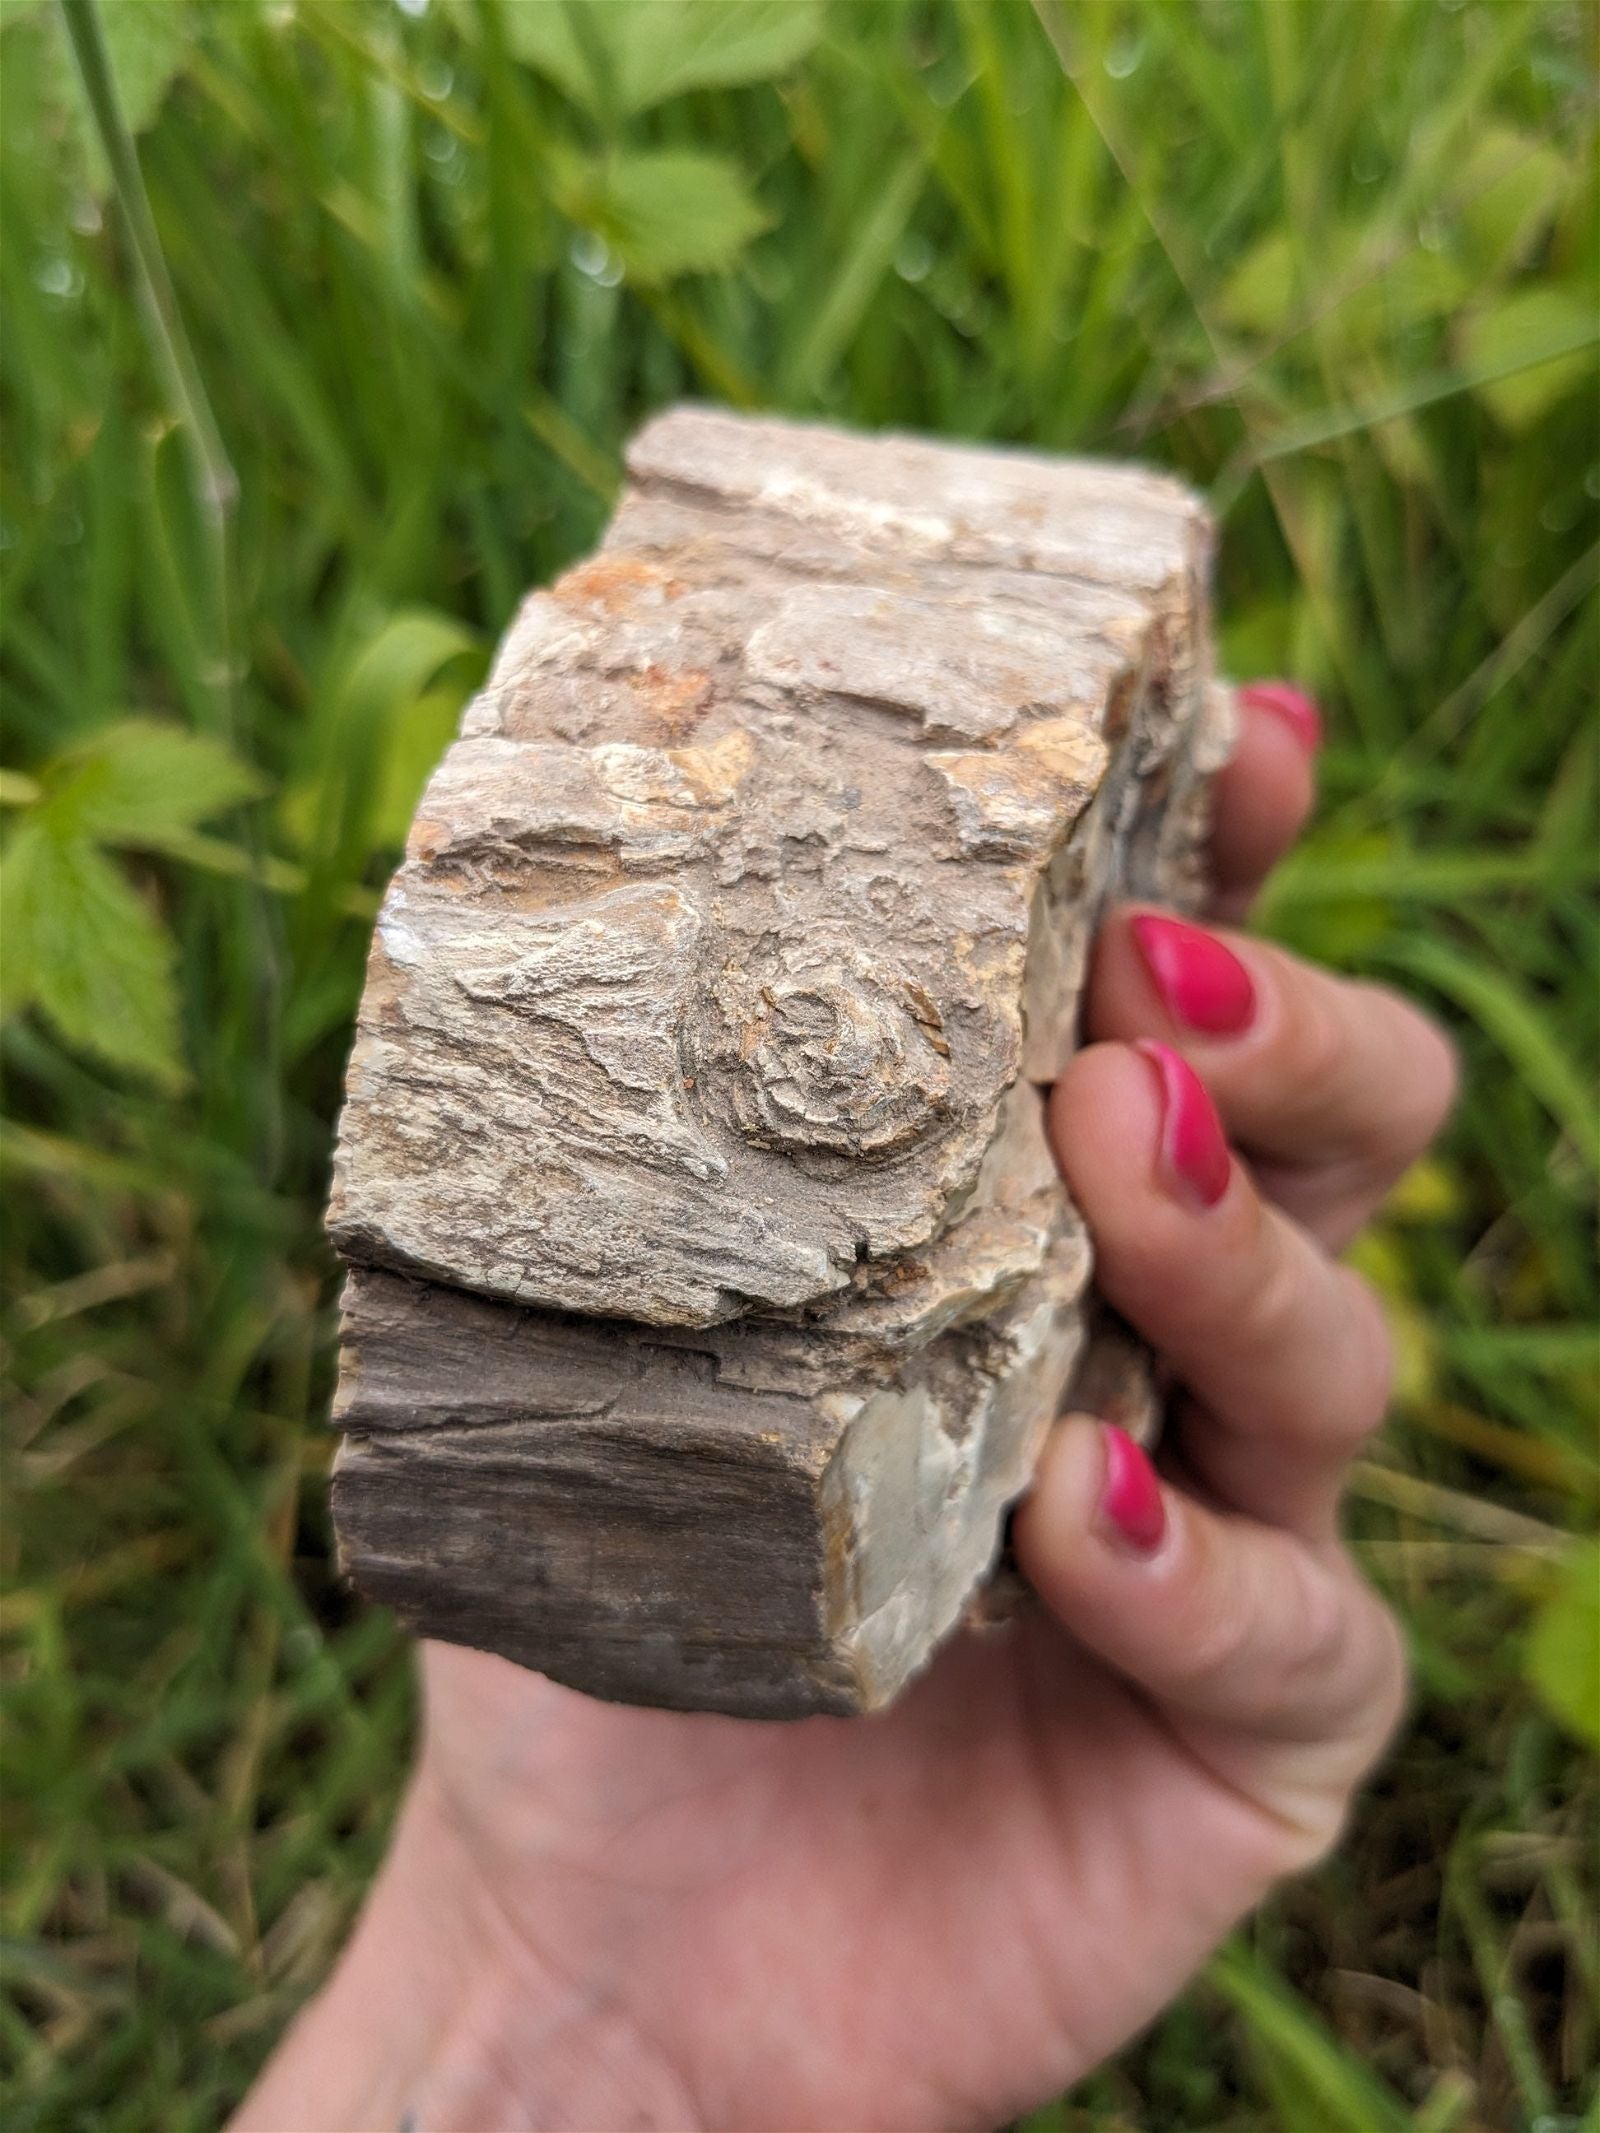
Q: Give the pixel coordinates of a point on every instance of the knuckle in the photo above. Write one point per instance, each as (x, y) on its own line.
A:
(1419, 1095)
(1379, 1075)
(1370, 1369)
(1220, 1636)
(1392, 1691)
(1272, 1313)
(1293, 1636)
(1319, 1046)
(1316, 1834)
(1438, 1074)
(1318, 1613)
(1347, 1665)
(1378, 1676)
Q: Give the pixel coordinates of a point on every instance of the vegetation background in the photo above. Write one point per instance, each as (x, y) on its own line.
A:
(1337, 263)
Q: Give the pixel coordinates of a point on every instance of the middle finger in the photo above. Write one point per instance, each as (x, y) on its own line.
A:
(1331, 1086)
(1284, 1349)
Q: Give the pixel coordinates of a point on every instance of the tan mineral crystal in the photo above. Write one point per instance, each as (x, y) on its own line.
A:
(711, 1286)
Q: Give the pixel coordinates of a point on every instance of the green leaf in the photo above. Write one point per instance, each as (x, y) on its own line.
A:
(1259, 291)
(674, 45)
(415, 743)
(1562, 1661)
(625, 55)
(1532, 347)
(1551, 1347)
(1418, 285)
(1511, 186)
(1323, 874)
(854, 278)
(147, 44)
(346, 801)
(142, 783)
(1380, 1258)
(146, 40)
(1352, 920)
(1515, 1022)
(1323, 2087)
(84, 948)
(544, 36)
(666, 211)
(1368, 291)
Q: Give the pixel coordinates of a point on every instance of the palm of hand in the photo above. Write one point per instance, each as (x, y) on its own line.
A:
(928, 1918)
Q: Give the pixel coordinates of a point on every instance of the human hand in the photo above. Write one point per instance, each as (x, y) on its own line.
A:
(597, 1916)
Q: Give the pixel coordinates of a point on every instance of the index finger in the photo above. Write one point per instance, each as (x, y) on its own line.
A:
(1263, 794)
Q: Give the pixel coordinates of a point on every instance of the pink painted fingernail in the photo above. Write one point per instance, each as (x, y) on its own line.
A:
(1297, 710)
(1130, 1496)
(1194, 1150)
(1202, 984)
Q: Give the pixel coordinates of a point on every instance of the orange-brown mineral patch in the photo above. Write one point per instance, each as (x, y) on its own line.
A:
(673, 701)
(425, 839)
(614, 583)
(901, 1275)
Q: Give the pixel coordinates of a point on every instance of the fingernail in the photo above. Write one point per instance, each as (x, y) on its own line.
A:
(1130, 1496)
(1194, 1150)
(1297, 710)
(1202, 984)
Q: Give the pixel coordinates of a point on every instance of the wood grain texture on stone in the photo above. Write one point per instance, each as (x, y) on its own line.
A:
(711, 1283)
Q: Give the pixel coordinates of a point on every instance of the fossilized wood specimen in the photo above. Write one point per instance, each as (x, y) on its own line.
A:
(711, 1285)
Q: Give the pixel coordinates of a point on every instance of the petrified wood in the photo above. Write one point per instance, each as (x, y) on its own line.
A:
(711, 1286)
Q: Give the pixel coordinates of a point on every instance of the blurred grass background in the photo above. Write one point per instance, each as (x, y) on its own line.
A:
(1337, 263)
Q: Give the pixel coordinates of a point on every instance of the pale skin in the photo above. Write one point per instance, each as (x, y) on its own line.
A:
(597, 1917)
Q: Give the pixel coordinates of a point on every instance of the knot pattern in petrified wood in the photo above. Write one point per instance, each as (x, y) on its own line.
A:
(831, 1054)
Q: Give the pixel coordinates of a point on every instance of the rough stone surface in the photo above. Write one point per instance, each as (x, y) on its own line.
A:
(712, 1286)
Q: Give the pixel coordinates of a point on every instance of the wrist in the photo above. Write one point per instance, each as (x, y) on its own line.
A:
(442, 2014)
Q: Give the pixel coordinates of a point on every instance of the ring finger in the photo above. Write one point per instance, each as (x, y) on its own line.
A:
(1284, 1349)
